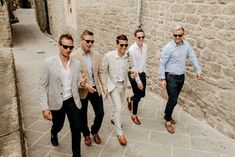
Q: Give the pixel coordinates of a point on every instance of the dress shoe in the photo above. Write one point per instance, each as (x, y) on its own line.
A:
(87, 140)
(173, 121)
(169, 127)
(135, 119)
(97, 138)
(54, 140)
(128, 99)
(122, 140)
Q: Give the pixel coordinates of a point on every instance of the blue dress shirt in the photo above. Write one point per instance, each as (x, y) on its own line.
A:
(173, 59)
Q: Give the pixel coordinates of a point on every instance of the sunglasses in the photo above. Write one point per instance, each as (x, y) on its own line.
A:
(66, 47)
(142, 37)
(122, 45)
(179, 35)
(89, 41)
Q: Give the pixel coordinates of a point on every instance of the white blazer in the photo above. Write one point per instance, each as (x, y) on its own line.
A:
(50, 83)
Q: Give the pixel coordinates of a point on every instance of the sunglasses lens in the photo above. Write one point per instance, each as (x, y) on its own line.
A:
(179, 35)
(89, 41)
(122, 45)
(141, 37)
(66, 47)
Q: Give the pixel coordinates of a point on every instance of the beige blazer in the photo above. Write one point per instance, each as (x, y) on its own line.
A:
(50, 83)
(111, 70)
(98, 73)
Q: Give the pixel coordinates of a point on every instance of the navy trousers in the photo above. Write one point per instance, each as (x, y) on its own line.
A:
(74, 116)
(173, 87)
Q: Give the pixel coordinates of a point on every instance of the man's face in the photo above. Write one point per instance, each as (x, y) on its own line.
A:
(139, 38)
(87, 42)
(66, 47)
(178, 36)
(122, 46)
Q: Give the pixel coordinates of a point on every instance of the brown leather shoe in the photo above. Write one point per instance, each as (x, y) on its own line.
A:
(87, 140)
(135, 120)
(97, 138)
(173, 121)
(169, 127)
(128, 99)
(122, 140)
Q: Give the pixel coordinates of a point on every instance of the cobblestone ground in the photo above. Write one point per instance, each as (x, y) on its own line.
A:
(193, 138)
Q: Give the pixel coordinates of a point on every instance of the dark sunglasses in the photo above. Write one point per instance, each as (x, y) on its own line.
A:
(140, 37)
(89, 41)
(66, 47)
(179, 35)
(126, 45)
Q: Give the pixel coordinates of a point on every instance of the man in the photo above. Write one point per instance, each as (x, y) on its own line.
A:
(139, 52)
(116, 64)
(58, 85)
(91, 65)
(172, 67)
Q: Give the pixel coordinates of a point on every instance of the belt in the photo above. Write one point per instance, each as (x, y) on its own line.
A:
(142, 73)
(171, 74)
(120, 81)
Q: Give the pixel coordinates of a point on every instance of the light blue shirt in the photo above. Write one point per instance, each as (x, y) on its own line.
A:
(173, 59)
(87, 58)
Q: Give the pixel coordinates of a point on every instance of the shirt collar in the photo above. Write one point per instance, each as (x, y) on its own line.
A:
(68, 63)
(124, 56)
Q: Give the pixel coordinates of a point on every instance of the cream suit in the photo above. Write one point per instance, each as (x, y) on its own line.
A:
(99, 78)
(51, 93)
(116, 90)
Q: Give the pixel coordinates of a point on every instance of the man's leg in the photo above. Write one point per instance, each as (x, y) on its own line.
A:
(57, 121)
(117, 105)
(74, 117)
(84, 123)
(97, 104)
(172, 97)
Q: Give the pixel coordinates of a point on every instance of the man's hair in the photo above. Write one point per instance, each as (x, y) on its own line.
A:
(178, 27)
(121, 37)
(66, 36)
(86, 32)
(138, 30)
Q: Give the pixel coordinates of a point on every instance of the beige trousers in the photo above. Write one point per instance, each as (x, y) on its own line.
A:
(117, 97)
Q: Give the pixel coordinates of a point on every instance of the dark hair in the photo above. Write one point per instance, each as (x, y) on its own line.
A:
(138, 30)
(121, 37)
(86, 32)
(66, 36)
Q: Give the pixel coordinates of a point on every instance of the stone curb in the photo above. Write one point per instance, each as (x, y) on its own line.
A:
(12, 142)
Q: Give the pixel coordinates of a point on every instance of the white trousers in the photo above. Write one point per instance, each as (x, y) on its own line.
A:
(117, 96)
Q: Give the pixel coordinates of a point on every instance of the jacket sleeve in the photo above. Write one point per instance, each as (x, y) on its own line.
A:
(43, 86)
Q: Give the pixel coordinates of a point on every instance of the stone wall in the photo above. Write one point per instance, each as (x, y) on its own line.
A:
(5, 27)
(210, 30)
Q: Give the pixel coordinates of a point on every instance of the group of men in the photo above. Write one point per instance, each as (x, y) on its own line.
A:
(69, 80)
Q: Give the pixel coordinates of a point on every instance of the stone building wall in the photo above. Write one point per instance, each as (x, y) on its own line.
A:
(5, 27)
(210, 29)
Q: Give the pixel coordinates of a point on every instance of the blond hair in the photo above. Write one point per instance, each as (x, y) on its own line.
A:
(178, 27)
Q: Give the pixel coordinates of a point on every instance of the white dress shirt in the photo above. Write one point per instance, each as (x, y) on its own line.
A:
(87, 58)
(121, 64)
(139, 56)
(67, 80)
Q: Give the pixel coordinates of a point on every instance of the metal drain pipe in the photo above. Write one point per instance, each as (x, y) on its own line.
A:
(139, 8)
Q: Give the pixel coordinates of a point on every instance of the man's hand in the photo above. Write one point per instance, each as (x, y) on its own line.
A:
(198, 77)
(90, 88)
(83, 79)
(47, 114)
(163, 83)
(141, 86)
(106, 93)
(133, 73)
